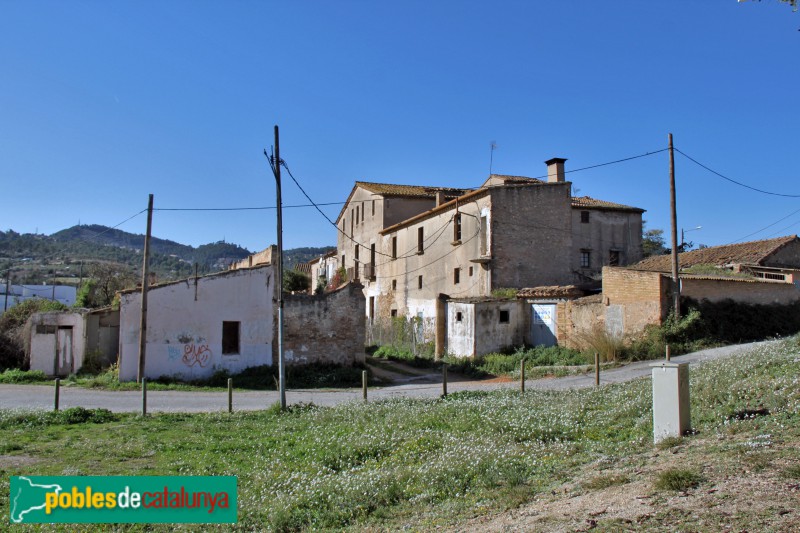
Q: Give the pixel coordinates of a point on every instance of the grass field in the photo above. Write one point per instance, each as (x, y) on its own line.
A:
(478, 461)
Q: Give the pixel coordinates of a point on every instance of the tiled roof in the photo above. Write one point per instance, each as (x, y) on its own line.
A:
(750, 253)
(593, 203)
(551, 291)
(409, 191)
(305, 268)
(515, 179)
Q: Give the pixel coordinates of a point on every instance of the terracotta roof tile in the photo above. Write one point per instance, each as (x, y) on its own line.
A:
(752, 253)
(589, 202)
(551, 291)
(410, 191)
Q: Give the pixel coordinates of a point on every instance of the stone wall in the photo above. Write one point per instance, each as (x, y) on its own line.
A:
(325, 328)
(787, 256)
(531, 238)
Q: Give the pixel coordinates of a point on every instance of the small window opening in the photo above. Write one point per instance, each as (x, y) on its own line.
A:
(504, 316)
(230, 338)
(584, 217)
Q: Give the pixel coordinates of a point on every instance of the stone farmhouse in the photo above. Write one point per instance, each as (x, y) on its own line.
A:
(416, 247)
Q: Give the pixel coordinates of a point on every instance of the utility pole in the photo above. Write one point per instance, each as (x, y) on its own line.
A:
(281, 367)
(676, 282)
(8, 280)
(145, 287)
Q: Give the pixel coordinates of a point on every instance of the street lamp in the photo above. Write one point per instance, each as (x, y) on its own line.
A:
(683, 241)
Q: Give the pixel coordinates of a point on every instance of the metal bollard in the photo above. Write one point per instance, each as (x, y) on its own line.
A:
(667, 352)
(596, 369)
(444, 380)
(522, 376)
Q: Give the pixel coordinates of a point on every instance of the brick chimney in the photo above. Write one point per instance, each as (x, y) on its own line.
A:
(439, 198)
(555, 170)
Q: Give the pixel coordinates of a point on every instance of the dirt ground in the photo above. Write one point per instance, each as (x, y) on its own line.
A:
(748, 491)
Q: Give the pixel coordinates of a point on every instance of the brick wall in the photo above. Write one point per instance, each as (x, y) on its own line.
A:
(754, 292)
(634, 299)
(326, 328)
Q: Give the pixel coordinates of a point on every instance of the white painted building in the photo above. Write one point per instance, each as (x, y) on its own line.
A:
(65, 294)
(200, 325)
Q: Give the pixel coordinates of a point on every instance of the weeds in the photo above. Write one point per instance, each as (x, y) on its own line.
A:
(678, 479)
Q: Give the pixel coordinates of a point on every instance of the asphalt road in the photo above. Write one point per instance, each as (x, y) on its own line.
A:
(41, 397)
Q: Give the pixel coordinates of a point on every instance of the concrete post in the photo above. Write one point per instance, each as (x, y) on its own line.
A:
(671, 413)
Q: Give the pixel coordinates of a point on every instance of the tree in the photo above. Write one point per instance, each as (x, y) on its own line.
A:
(105, 279)
(294, 281)
(652, 241)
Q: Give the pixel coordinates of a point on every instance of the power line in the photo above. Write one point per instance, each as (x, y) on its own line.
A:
(262, 208)
(646, 154)
(762, 191)
(766, 227)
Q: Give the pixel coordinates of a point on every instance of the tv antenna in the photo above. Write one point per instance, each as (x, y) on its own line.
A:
(492, 148)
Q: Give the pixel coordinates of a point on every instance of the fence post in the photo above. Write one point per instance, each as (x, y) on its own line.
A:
(230, 395)
(444, 380)
(58, 392)
(522, 376)
(144, 397)
(667, 352)
(596, 369)
(364, 384)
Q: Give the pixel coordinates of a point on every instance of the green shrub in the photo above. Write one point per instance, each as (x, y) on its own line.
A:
(15, 375)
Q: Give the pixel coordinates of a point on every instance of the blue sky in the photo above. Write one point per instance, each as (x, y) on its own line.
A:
(102, 103)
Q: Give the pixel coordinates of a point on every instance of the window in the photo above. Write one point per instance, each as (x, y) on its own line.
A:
(457, 228)
(470, 271)
(504, 316)
(456, 276)
(484, 236)
(420, 240)
(586, 259)
(372, 255)
(357, 215)
(351, 222)
(342, 265)
(459, 317)
(356, 253)
(363, 211)
(419, 282)
(230, 338)
(584, 217)
(373, 207)
(394, 284)
(393, 313)
(394, 247)
(613, 258)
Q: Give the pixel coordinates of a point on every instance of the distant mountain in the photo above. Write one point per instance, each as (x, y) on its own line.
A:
(38, 258)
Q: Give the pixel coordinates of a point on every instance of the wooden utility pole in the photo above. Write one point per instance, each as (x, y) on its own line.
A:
(8, 282)
(676, 282)
(279, 281)
(145, 287)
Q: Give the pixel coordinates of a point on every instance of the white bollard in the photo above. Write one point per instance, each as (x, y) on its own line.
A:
(671, 414)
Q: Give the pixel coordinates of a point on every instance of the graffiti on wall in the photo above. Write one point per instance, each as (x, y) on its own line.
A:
(196, 354)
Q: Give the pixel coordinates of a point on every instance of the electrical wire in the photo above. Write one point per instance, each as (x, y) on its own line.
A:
(242, 208)
(646, 154)
(766, 227)
(762, 191)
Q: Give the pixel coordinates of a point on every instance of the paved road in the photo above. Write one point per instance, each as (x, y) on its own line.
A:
(41, 397)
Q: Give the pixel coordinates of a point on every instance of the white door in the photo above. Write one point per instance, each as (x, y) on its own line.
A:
(543, 324)
(64, 362)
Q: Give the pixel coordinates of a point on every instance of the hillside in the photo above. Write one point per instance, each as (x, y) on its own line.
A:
(41, 258)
